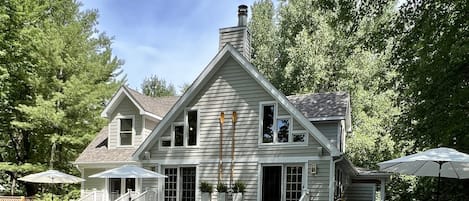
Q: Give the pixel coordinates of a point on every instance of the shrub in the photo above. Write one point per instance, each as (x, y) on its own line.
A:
(206, 187)
(239, 187)
(221, 187)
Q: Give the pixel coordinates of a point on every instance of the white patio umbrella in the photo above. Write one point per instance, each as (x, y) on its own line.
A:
(51, 177)
(128, 171)
(439, 162)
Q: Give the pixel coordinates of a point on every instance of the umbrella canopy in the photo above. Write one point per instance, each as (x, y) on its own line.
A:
(51, 176)
(128, 171)
(439, 162)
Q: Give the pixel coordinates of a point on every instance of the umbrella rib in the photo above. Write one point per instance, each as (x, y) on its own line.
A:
(417, 169)
(455, 172)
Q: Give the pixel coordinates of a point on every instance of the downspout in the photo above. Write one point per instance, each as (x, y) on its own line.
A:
(332, 175)
(220, 153)
(82, 173)
(233, 118)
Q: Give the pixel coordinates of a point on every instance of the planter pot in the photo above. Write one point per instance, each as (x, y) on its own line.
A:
(206, 196)
(221, 197)
(237, 196)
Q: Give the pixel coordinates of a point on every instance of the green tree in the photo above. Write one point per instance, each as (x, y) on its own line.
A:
(308, 46)
(57, 71)
(157, 87)
(432, 57)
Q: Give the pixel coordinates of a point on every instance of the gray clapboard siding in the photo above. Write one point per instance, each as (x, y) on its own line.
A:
(125, 108)
(93, 183)
(232, 89)
(361, 192)
(318, 184)
(330, 130)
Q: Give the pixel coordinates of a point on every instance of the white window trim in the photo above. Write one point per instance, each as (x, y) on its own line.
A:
(173, 134)
(276, 118)
(283, 182)
(162, 167)
(119, 129)
(186, 128)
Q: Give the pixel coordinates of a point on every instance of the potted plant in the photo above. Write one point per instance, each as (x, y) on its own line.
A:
(238, 190)
(221, 189)
(206, 189)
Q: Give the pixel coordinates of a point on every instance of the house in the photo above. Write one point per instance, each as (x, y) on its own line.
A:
(230, 125)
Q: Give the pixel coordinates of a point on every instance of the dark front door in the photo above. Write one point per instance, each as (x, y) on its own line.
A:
(115, 188)
(271, 183)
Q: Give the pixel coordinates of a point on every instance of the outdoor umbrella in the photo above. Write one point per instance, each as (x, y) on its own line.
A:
(128, 171)
(439, 162)
(51, 177)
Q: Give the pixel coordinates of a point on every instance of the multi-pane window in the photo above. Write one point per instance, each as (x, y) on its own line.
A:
(180, 184)
(293, 183)
(125, 132)
(277, 129)
(188, 183)
(192, 127)
(170, 184)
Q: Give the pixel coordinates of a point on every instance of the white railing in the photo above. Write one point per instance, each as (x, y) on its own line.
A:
(145, 196)
(125, 197)
(93, 196)
(304, 195)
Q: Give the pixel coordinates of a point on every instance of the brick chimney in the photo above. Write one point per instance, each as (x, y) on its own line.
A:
(239, 36)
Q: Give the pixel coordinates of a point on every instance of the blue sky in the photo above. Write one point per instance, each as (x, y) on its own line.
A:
(173, 39)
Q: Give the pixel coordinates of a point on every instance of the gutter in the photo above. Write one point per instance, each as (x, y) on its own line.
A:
(334, 161)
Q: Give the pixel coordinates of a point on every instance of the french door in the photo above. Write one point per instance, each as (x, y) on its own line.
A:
(180, 184)
(282, 182)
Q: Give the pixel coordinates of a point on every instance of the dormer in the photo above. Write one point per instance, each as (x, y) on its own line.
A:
(329, 112)
(132, 116)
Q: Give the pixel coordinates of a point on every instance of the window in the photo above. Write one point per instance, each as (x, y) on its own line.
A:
(180, 184)
(178, 135)
(192, 127)
(294, 180)
(166, 141)
(283, 130)
(268, 113)
(126, 131)
(276, 129)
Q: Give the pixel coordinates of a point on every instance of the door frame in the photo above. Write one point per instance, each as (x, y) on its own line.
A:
(304, 180)
(162, 167)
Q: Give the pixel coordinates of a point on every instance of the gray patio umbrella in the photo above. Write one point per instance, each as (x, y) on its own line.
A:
(439, 162)
(128, 171)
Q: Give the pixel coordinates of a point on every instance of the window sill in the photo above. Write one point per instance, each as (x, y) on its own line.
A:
(179, 147)
(292, 144)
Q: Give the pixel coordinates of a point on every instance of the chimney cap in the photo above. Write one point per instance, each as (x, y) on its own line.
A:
(242, 15)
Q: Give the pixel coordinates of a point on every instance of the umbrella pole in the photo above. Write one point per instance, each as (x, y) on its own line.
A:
(439, 178)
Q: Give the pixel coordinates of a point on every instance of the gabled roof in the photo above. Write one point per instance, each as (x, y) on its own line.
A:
(149, 106)
(225, 53)
(97, 151)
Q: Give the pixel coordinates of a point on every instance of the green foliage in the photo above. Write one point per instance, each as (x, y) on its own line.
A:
(221, 187)
(206, 187)
(56, 71)
(432, 57)
(157, 87)
(316, 46)
(239, 187)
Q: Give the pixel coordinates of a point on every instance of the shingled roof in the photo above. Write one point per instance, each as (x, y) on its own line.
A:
(159, 106)
(97, 150)
(322, 105)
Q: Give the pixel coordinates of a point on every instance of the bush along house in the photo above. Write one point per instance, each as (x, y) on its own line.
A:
(230, 126)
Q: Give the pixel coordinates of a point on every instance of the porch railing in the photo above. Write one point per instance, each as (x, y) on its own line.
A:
(145, 196)
(93, 196)
(304, 195)
(125, 197)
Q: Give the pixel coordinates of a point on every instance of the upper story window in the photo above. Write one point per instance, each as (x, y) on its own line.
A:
(276, 129)
(126, 130)
(183, 133)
